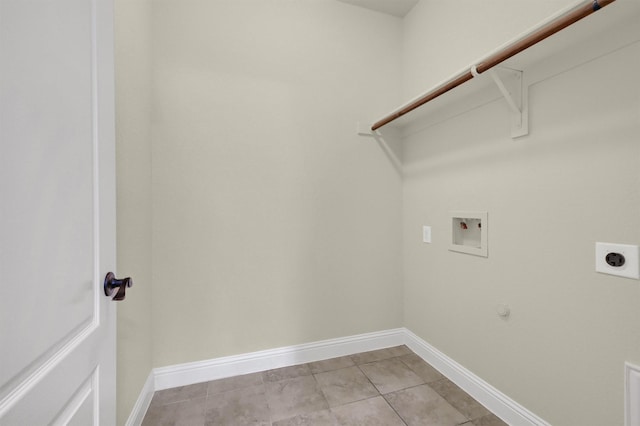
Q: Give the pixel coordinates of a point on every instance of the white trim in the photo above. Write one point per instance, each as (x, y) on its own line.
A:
(631, 394)
(494, 400)
(142, 404)
(219, 368)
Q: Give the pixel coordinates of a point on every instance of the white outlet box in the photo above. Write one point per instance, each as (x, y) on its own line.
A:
(618, 259)
(469, 232)
(426, 234)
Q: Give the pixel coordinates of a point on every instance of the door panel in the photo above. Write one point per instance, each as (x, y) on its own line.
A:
(80, 409)
(57, 230)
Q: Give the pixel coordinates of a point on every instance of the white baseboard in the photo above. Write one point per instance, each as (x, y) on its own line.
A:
(219, 368)
(142, 404)
(494, 400)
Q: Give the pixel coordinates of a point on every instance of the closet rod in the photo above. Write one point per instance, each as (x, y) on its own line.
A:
(499, 57)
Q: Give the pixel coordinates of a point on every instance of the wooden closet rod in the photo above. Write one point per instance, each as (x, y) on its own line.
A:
(499, 57)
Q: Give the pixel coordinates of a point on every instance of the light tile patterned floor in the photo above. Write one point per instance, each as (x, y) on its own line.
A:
(387, 387)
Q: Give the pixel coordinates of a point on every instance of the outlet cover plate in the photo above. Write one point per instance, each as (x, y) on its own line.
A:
(631, 253)
(426, 234)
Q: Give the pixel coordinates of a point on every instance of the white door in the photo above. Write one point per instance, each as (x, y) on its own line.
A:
(57, 212)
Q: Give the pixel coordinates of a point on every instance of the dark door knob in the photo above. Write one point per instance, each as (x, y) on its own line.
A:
(111, 283)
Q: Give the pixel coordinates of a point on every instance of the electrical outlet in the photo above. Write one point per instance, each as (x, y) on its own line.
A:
(618, 259)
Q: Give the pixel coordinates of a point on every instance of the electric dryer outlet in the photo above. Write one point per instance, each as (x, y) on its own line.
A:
(618, 259)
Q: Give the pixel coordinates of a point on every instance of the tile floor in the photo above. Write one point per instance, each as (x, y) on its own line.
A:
(386, 387)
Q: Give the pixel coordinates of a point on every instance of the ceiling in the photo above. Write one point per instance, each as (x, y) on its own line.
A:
(397, 8)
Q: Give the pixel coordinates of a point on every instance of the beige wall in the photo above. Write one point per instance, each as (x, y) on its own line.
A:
(273, 223)
(443, 37)
(133, 150)
(550, 196)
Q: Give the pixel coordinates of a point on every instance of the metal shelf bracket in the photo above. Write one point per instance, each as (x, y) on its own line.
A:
(515, 91)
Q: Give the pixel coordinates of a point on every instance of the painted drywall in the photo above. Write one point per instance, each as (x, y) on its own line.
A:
(133, 151)
(550, 196)
(273, 222)
(444, 37)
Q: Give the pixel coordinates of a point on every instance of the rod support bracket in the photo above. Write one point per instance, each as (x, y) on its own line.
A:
(515, 91)
(364, 129)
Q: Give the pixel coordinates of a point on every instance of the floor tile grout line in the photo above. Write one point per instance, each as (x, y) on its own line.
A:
(369, 379)
(410, 368)
(398, 390)
(386, 356)
(354, 401)
(394, 410)
(321, 391)
(443, 398)
(410, 387)
(337, 369)
(443, 379)
(266, 397)
(381, 395)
